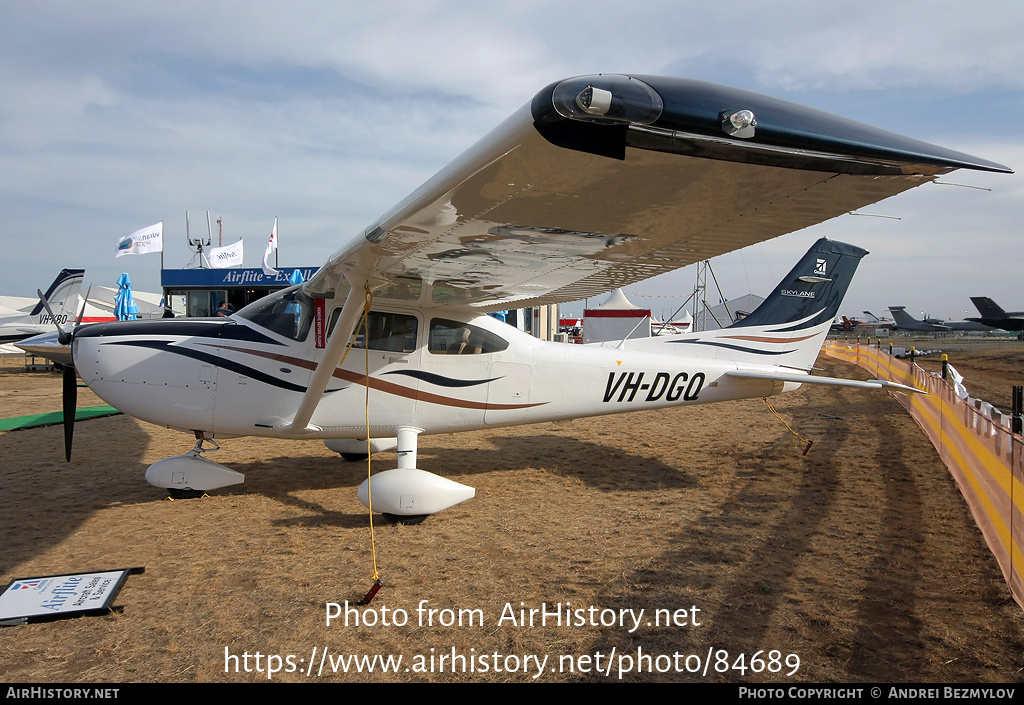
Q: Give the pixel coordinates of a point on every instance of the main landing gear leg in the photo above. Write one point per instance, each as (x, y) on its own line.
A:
(407, 439)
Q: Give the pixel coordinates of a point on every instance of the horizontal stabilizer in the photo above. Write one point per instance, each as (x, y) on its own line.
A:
(808, 379)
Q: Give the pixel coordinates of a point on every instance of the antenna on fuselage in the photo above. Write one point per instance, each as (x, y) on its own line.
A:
(622, 343)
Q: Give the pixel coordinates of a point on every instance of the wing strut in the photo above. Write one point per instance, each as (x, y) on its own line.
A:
(333, 353)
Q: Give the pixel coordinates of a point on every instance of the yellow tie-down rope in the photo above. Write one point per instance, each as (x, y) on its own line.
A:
(771, 408)
(364, 325)
(369, 455)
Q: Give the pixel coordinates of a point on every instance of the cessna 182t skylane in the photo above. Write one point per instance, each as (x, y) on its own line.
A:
(598, 182)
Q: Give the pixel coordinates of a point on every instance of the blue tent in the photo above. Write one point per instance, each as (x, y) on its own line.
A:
(124, 305)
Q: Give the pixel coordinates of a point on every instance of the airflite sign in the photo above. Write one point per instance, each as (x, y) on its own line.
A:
(55, 596)
(227, 278)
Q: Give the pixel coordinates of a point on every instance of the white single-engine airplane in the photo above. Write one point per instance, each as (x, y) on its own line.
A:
(22, 318)
(599, 182)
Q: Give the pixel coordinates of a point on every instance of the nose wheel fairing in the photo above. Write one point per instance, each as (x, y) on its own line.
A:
(192, 471)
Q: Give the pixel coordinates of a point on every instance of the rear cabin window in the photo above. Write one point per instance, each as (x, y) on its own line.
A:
(456, 338)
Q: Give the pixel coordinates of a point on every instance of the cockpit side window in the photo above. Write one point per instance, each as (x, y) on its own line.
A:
(288, 312)
(449, 337)
(393, 332)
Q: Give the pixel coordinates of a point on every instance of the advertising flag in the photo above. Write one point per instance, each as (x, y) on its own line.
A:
(142, 241)
(228, 256)
(271, 246)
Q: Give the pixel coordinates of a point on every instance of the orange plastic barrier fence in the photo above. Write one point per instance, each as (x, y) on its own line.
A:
(982, 454)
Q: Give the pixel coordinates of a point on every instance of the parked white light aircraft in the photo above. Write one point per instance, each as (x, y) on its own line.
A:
(22, 317)
(598, 182)
(95, 306)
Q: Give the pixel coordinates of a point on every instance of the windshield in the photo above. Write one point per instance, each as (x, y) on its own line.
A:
(288, 312)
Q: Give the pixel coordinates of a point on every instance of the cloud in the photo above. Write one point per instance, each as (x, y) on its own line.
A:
(327, 114)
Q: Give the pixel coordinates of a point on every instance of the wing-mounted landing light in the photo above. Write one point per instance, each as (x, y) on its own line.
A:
(739, 124)
(595, 101)
(607, 99)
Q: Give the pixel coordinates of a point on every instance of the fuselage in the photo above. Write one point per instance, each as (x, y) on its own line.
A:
(437, 369)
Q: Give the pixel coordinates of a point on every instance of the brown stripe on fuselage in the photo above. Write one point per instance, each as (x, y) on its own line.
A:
(759, 339)
(383, 386)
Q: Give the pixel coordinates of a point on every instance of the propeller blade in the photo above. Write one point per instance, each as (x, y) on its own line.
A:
(63, 336)
(70, 404)
(85, 302)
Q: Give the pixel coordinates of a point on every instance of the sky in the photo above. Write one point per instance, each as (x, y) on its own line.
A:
(325, 114)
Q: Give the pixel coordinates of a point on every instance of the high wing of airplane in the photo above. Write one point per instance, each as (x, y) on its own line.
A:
(598, 182)
(993, 315)
(23, 317)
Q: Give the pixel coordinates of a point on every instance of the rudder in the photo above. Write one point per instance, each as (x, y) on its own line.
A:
(63, 293)
(813, 290)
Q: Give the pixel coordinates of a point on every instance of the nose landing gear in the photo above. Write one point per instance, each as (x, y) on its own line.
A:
(191, 472)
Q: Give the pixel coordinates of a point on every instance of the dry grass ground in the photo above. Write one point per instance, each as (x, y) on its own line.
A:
(861, 557)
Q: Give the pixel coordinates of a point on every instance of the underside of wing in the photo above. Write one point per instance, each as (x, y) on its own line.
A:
(607, 180)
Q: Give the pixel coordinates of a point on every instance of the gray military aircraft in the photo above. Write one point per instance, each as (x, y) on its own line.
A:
(993, 315)
(904, 321)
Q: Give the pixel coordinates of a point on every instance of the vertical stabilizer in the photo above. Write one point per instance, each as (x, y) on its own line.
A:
(988, 308)
(789, 327)
(813, 290)
(62, 295)
(902, 318)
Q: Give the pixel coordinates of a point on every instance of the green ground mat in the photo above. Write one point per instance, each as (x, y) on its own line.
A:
(55, 417)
